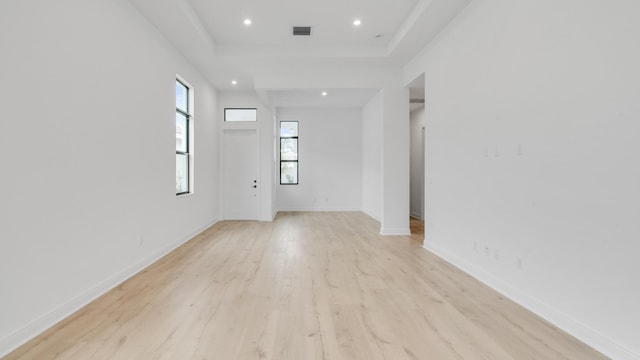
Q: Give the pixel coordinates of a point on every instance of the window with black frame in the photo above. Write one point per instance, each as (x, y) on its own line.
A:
(288, 153)
(183, 136)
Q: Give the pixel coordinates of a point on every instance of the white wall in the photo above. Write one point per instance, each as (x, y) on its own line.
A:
(417, 163)
(395, 161)
(87, 147)
(266, 134)
(532, 158)
(330, 160)
(372, 157)
(386, 196)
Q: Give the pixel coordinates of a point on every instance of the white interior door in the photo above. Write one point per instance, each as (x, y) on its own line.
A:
(240, 179)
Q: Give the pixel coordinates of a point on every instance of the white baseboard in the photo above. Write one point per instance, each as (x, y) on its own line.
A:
(44, 322)
(321, 208)
(580, 331)
(371, 214)
(395, 231)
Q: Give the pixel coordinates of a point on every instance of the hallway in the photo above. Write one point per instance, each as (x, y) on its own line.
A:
(417, 229)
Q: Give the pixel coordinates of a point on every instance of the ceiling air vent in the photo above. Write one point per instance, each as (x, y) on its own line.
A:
(302, 30)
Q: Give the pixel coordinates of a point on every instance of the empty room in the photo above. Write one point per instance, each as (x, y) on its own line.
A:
(403, 180)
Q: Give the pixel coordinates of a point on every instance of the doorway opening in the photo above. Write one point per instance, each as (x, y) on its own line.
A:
(417, 157)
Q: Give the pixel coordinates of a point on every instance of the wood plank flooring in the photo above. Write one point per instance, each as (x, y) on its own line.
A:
(307, 286)
(417, 229)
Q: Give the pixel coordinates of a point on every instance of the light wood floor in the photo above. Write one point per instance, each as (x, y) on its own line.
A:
(417, 229)
(307, 286)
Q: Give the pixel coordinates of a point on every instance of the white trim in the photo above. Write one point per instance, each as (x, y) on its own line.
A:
(371, 214)
(320, 208)
(395, 231)
(575, 328)
(46, 321)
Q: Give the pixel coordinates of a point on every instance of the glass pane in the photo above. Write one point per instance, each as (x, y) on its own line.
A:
(182, 97)
(288, 128)
(182, 173)
(288, 149)
(181, 132)
(240, 114)
(288, 172)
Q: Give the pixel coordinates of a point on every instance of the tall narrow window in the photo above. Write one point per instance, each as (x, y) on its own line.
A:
(183, 136)
(288, 153)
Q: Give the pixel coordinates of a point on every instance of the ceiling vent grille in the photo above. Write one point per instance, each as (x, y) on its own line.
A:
(302, 30)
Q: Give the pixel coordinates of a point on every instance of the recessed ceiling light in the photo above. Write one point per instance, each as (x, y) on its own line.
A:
(357, 22)
(324, 93)
(234, 82)
(247, 22)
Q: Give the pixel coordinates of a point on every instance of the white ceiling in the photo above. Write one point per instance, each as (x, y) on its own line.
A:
(211, 34)
(335, 98)
(331, 21)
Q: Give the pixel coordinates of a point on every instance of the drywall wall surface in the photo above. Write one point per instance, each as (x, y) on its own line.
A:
(330, 160)
(372, 157)
(532, 153)
(395, 161)
(87, 146)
